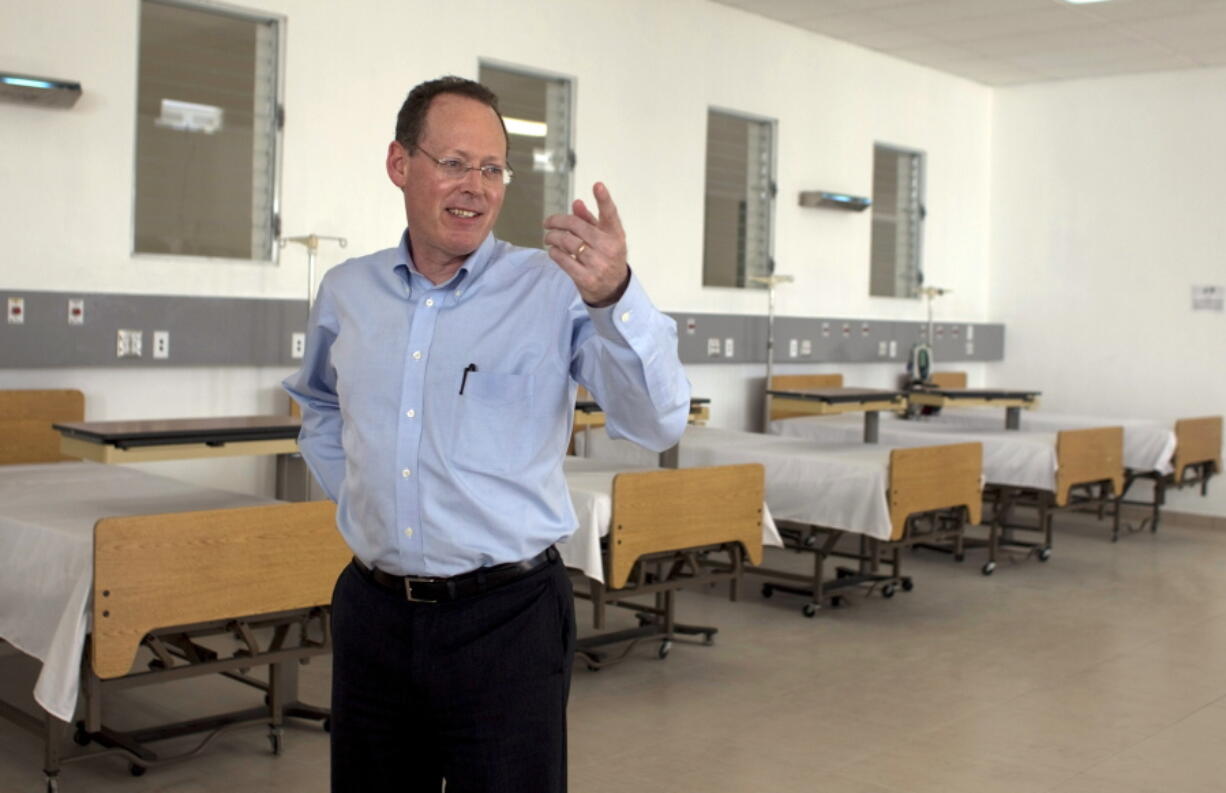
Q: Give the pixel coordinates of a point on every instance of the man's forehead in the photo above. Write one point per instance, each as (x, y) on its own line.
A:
(453, 116)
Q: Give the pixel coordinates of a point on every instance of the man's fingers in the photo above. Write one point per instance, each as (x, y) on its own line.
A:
(609, 219)
(581, 211)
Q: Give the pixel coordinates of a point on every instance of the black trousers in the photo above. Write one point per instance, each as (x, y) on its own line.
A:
(473, 691)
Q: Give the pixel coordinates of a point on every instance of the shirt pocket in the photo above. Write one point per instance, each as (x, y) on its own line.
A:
(495, 427)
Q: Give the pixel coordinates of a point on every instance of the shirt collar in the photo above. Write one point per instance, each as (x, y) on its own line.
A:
(473, 266)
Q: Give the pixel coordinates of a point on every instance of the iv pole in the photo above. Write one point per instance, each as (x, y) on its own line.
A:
(771, 281)
(311, 241)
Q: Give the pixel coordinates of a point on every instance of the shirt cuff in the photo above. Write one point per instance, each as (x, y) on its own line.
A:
(626, 320)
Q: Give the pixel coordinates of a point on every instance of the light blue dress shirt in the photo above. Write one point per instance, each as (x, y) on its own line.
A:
(429, 481)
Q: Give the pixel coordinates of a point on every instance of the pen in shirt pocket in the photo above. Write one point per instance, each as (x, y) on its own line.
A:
(472, 367)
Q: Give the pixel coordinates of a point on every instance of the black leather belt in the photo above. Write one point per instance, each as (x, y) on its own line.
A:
(423, 589)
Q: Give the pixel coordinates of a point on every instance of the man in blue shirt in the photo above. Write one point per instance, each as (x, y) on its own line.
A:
(437, 396)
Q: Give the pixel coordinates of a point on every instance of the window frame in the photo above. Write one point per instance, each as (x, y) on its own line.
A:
(771, 126)
(279, 22)
(920, 212)
(572, 84)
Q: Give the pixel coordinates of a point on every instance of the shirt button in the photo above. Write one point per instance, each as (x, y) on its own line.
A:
(417, 355)
(408, 531)
(406, 473)
(429, 302)
(625, 316)
(459, 292)
(411, 413)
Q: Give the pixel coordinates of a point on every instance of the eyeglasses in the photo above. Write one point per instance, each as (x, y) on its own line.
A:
(454, 168)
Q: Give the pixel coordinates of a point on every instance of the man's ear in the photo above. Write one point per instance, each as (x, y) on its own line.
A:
(397, 164)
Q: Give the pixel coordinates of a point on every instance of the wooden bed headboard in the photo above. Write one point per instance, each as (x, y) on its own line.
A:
(1085, 456)
(162, 571)
(26, 417)
(1198, 441)
(673, 510)
(935, 477)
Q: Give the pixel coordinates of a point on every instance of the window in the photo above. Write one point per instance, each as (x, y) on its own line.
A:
(739, 200)
(207, 127)
(537, 112)
(898, 222)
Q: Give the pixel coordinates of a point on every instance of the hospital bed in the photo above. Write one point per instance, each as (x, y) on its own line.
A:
(1186, 455)
(114, 578)
(649, 531)
(1046, 472)
(880, 498)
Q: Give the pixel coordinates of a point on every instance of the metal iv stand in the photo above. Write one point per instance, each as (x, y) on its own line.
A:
(311, 241)
(771, 281)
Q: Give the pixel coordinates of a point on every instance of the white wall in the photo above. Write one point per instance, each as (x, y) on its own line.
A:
(646, 71)
(1106, 209)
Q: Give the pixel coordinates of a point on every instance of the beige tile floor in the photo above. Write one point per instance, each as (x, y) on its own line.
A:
(1102, 671)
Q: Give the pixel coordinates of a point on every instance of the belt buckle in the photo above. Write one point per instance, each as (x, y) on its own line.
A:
(408, 590)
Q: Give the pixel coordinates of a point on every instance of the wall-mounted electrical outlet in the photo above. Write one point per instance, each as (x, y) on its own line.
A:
(17, 311)
(729, 347)
(128, 343)
(713, 348)
(806, 346)
(793, 348)
(297, 345)
(76, 311)
(161, 344)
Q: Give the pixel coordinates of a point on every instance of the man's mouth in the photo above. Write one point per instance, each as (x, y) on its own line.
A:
(462, 213)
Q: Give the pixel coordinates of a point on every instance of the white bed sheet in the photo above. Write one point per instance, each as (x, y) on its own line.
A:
(1148, 445)
(591, 491)
(840, 483)
(47, 517)
(1010, 457)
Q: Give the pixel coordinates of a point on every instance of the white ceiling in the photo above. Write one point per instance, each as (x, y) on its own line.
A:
(1009, 42)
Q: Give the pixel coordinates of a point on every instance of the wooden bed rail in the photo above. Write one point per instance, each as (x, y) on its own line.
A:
(655, 511)
(26, 417)
(1086, 456)
(935, 477)
(1198, 441)
(161, 571)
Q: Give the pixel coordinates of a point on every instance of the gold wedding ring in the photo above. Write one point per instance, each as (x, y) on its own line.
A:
(583, 246)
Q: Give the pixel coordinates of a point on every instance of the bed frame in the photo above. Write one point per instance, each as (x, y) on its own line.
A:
(262, 575)
(1198, 458)
(933, 493)
(665, 527)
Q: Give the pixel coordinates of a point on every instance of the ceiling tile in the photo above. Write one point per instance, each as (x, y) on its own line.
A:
(848, 26)
(888, 40)
(998, 25)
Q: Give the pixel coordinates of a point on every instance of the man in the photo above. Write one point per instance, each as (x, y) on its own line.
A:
(437, 397)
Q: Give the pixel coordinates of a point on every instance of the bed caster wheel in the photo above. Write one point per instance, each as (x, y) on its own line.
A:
(989, 568)
(841, 573)
(275, 737)
(836, 602)
(327, 725)
(907, 585)
(887, 591)
(1044, 554)
(79, 736)
(665, 646)
(708, 639)
(959, 557)
(767, 590)
(53, 785)
(136, 770)
(809, 609)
